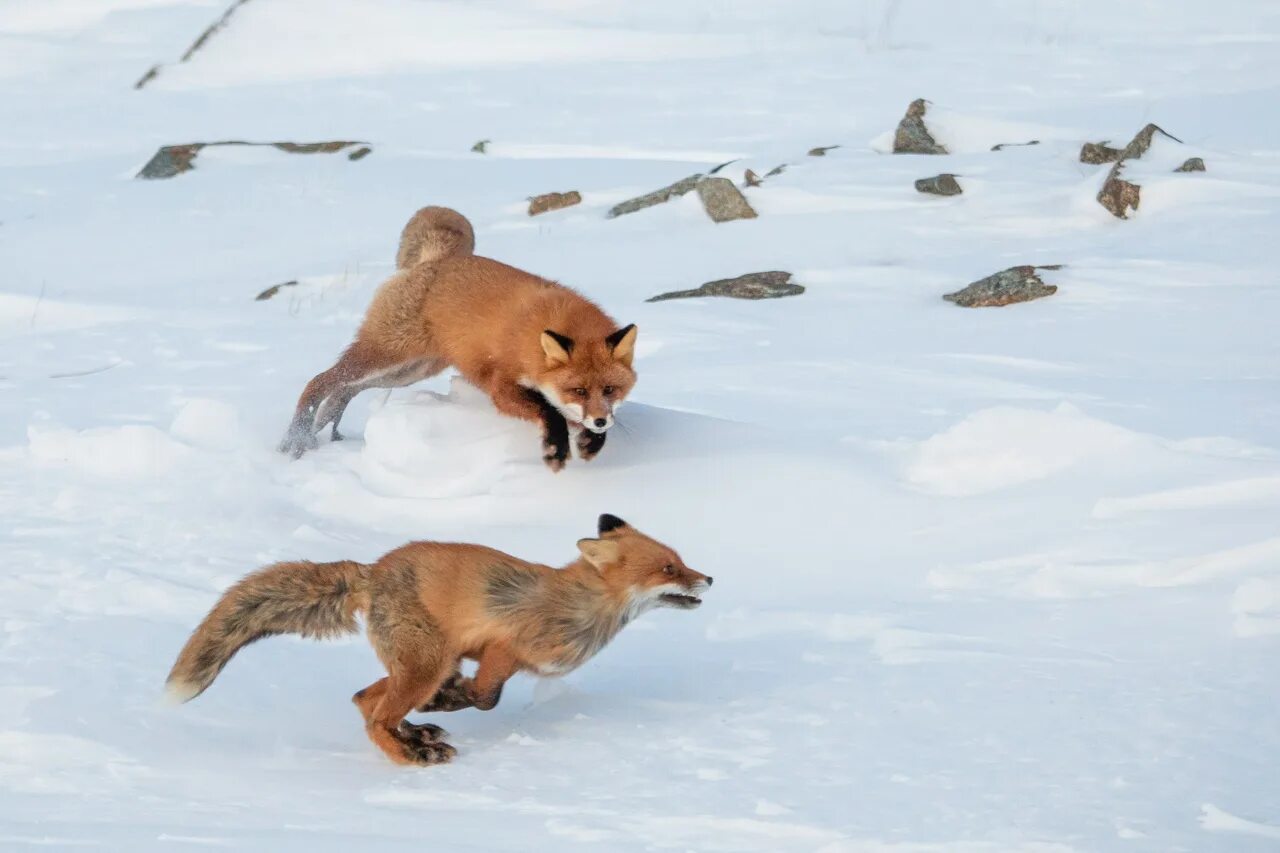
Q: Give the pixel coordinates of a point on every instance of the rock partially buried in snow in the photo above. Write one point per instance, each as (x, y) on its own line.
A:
(679, 188)
(480, 147)
(944, 184)
(173, 160)
(274, 289)
(553, 201)
(912, 136)
(1192, 164)
(1016, 284)
(1096, 153)
(750, 179)
(821, 151)
(723, 201)
(1117, 195)
(756, 285)
(1003, 145)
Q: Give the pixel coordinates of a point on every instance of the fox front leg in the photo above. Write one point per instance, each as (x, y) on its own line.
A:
(589, 444)
(555, 430)
(497, 664)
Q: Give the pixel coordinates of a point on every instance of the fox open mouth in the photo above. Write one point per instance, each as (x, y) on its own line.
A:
(684, 602)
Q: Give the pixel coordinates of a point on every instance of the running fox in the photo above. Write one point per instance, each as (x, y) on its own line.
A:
(541, 351)
(429, 605)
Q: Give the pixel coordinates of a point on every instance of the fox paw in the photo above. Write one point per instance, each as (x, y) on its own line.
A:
(421, 732)
(426, 753)
(589, 444)
(555, 453)
(297, 442)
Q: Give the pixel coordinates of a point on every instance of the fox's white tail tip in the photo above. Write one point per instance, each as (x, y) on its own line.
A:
(177, 692)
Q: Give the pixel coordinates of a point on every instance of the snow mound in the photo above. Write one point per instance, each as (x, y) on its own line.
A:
(126, 452)
(1005, 446)
(208, 424)
(431, 445)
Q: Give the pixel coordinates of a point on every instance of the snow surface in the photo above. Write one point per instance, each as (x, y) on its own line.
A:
(988, 580)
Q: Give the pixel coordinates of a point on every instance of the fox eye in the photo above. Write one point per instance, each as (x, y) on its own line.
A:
(580, 392)
(668, 569)
(608, 390)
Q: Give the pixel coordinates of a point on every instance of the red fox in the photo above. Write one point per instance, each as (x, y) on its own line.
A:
(541, 351)
(429, 605)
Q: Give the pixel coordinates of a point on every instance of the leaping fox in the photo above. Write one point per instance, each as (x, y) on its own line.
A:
(429, 605)
(542, 351)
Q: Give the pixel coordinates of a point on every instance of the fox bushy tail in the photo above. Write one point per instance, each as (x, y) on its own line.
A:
(316, 600)
(434, 233)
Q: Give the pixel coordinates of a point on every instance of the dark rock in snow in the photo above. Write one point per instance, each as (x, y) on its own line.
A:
(822, 151)
(553, 201)
(912, 136)
(679, 188)
(273, 290)
(360, 153)
(944, 184)
(173, 160)
(1192, 164)
(750, 179)
(479, 147)
(1097, 153)
(723, 201)
(776, 170)
(1004, 145)
(756, 285)
(717, 169)
(1016, 284)
(1117, 195)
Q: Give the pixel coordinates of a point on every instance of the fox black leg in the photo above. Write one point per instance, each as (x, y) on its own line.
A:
(589, 443)
(555, 431)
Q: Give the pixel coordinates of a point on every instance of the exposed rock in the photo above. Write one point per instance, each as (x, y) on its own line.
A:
(912, 136)
(776, 170)
(750, 179)
(1016, 284)
(209, 32)
(756, 285)
(173, 160)
(723, 201)
(679, 188)
(273, 290)
(553, 201)
(717, 169)
(479, 147)
(1004, 145)
(360, 153)
(1117, 195)
(822, 152)
(1097, 153)
(1192, 164)
(944, 184)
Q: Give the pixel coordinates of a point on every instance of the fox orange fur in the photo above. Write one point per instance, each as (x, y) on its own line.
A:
(429, 605)
(541, 351)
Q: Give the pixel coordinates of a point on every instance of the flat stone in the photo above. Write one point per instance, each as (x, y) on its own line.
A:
(172, 160)
(1004, 145)
(1192, 164)
(822, 151)
(912, 136)
(723, 201)
(553, 201)
(1016, 284)
(944, 184)
(273, 290)
(776, 170)
(679, 188)
(757, 285)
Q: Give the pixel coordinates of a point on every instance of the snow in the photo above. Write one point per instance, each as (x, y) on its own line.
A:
(987, 579)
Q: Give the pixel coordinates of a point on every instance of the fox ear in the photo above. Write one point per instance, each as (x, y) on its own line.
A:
(623, 343)
(557, 348)
(609, 523)
(598, 552)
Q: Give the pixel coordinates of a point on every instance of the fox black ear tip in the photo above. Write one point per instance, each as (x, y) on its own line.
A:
(610, 522)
